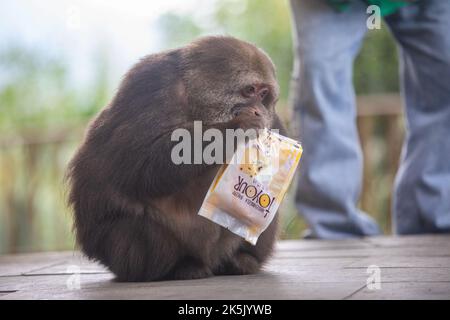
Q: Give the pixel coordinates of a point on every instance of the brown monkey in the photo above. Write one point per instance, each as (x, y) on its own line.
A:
(135, 210)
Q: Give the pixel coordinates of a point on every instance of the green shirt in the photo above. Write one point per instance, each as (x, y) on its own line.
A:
(386, 6)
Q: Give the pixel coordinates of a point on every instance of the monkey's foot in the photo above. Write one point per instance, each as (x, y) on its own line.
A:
(242, 263)
(187, 270)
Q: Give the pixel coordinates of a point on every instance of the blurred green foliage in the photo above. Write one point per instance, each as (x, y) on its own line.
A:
(267, 24)
(376, 67)
(42, 114)
(38, 93)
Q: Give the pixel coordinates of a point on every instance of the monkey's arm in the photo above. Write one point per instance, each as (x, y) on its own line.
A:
(161, 176)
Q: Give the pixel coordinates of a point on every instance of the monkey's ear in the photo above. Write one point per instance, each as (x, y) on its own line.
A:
(277, 124)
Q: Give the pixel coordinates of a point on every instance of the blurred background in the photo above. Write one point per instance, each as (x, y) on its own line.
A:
(61, 62)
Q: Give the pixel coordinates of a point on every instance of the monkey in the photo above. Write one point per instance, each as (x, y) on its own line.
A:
(135, 211)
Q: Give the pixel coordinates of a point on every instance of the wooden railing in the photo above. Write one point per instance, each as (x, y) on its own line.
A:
(381, 130)
(32, 166)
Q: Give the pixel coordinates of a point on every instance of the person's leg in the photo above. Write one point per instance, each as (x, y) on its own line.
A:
(422, 188)
(326, 43)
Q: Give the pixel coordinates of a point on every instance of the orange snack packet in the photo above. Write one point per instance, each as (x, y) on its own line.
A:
(246, 193)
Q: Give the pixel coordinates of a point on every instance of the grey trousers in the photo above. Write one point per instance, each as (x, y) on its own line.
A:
(326, 43)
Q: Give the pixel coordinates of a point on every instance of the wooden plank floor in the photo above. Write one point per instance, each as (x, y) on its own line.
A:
(413, 267)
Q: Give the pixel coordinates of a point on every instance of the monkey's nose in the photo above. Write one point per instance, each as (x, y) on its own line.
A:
(254, 110)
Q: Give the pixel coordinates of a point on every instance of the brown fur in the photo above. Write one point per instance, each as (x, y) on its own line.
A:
(136, 211)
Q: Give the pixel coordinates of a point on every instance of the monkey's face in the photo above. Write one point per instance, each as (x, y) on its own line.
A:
(227, 75)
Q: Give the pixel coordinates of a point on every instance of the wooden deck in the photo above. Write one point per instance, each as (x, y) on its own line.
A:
(413, 267)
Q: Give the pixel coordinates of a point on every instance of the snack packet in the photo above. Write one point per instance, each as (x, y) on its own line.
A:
(246, 193)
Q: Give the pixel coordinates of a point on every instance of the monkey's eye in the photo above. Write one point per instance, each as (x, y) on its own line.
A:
(263, 93)
(249, 91)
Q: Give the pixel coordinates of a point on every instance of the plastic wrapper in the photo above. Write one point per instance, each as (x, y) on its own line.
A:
(246, 193)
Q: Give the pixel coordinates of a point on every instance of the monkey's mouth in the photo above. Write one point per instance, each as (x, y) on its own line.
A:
(240, 107)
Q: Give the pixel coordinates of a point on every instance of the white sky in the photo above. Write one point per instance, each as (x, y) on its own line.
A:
(76, 29)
